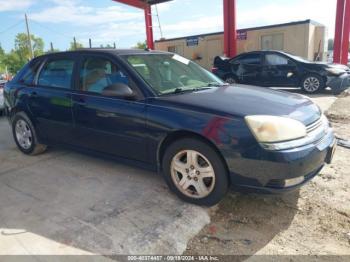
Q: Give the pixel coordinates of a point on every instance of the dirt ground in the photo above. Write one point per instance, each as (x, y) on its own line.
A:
(314, 220)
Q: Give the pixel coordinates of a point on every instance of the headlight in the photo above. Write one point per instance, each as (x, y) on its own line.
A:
(336, 71)
(268, 129)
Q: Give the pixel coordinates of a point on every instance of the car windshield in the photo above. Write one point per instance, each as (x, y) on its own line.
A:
(171, 73)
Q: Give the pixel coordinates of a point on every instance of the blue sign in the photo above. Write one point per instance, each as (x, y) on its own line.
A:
(192, 41)
(241, 35)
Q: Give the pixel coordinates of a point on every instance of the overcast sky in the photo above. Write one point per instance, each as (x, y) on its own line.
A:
(106, 21)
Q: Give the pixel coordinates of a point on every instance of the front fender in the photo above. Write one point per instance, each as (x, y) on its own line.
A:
(228, 135)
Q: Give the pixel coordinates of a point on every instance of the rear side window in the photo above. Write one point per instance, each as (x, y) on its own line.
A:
(273, 59)
(249, 59)
(29, 73)
(57, 73)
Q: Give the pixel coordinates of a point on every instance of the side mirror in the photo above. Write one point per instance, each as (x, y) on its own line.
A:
(119, 90)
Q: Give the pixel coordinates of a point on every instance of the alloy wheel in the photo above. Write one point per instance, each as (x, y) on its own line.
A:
(193, 174)
(23, 134)
(311, 84)
(230, 80)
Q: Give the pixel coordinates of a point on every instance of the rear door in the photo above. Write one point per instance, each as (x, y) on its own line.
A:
(50, 98)
(247, 68)
(279, 70)
(108, 124)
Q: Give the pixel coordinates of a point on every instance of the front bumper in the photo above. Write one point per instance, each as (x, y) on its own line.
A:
(281, 171)
(338, 83)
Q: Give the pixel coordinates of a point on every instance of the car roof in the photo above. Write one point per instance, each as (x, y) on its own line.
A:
(261, 52)
(106, 51)
(264, 52)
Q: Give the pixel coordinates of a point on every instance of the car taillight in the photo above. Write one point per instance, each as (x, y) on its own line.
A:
(214, 69)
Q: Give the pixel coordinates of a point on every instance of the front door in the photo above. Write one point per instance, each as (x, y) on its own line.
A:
(213, 50)
(247, 68)
(108, 124)
(50, 98)
(279, 70)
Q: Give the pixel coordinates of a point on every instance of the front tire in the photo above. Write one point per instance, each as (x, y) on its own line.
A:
(195, 172)
(25, 136)
(312, 84)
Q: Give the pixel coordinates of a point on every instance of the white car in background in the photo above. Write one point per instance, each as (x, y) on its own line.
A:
(330, 57)
(2, 84)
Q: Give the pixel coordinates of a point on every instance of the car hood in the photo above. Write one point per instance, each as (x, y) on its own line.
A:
(242, 100)
(332, 65)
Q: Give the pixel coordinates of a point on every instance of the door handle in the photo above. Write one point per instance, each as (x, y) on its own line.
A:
(80, 102)
(105, 114)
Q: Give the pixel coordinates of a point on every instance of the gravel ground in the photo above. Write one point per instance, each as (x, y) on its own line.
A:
(314, 220)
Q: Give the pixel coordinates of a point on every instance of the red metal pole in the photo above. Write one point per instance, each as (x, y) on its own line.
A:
(226, 29)
(346, 34)
(149, 28)
(230, 34)
(339, 19)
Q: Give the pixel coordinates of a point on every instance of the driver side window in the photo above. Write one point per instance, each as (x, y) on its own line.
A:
(98, 73)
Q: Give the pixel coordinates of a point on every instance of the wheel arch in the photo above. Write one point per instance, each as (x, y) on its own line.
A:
(180, 134)
(303, 76)
(19, 109)
(230, 74)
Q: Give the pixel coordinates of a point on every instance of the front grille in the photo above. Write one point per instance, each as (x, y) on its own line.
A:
(318, 130)
(276, 183)
(315, 125)
(281, 183)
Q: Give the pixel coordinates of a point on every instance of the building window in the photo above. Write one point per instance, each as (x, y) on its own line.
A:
(172, 49)
(272, 42)
(177, 49)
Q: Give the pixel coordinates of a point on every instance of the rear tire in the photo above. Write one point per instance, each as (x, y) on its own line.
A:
(25, 136)
(312, 84)
(195, 172)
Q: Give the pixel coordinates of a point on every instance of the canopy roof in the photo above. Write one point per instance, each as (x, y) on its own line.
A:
(141, 3)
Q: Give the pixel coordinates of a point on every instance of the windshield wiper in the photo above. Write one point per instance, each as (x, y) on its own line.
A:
(182, 90)
(178, 90)
(216, 84)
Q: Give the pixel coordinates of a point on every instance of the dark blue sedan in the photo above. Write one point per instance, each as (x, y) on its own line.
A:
(163, 112)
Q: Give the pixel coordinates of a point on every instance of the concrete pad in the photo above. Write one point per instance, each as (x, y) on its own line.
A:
(340, 111)
(323, 101)
(63, 202)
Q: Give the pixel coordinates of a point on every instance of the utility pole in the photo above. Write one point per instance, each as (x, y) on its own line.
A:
(29, 40)
(75, 43)
(90, 42)
(160, 26)
(51, 45)
(114, 45)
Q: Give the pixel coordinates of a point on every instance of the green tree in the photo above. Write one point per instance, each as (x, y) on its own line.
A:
(23, 49)
(13, 62)
(106, 46)
(20, 55)
(141, 45)
(72, 47)
(2, 57)
(52, 51)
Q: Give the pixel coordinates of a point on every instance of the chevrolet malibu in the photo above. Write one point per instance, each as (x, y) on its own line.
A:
(163, 112)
